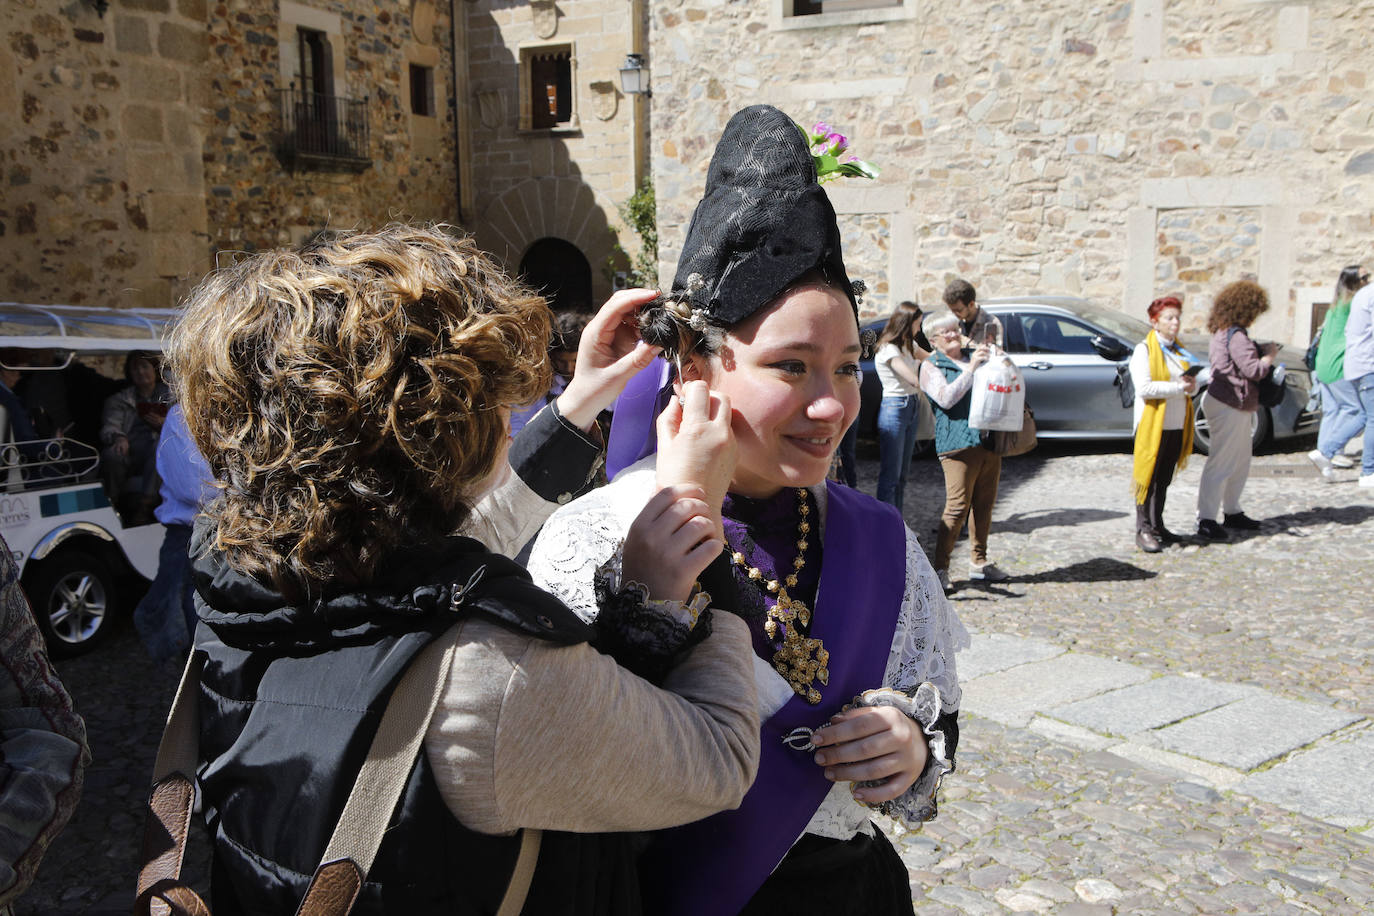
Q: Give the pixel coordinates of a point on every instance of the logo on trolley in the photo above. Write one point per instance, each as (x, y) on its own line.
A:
(14, 511)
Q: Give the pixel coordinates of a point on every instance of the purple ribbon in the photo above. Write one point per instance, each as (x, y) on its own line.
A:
(713, 866)
(633, 431)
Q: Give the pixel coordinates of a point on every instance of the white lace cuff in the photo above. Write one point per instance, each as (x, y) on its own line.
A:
(918, 803)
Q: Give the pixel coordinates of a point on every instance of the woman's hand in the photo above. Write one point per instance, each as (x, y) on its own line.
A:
(608, 357)
(671, 542)
(980, 356)
(1189, 383)
(696, 445)
(869, 743)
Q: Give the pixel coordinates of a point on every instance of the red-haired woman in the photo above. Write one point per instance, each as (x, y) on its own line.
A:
(1164, 390)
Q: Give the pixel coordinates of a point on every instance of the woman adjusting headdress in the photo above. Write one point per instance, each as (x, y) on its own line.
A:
(854, 639)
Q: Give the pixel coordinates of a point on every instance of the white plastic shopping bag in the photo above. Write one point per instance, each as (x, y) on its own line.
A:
(999, 396)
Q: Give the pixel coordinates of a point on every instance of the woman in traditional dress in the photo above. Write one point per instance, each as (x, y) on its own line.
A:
(1163, 419)
(854, 640)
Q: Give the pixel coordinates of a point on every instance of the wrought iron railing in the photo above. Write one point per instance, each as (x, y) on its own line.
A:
(323, 131)
(45, 463)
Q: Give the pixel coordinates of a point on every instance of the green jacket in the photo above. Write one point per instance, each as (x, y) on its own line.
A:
(1331, 348)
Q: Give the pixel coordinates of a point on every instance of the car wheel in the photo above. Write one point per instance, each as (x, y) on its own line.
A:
(1201, 440)
(1260, 425)
(73, 596)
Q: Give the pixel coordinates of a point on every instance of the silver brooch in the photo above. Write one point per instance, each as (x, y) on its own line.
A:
(858, 287)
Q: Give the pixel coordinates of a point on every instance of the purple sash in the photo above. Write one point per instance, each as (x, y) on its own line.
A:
(713, 866)
(634, 433)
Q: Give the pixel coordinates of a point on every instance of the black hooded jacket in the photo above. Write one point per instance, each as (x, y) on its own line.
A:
(290, 699)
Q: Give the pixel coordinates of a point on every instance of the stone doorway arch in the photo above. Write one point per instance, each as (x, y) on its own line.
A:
(567, 209)
(560, 272)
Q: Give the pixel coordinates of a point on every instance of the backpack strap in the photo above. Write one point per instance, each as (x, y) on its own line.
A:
(335, 886)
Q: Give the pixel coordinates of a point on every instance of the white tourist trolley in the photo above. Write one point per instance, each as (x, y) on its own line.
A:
(75, 556)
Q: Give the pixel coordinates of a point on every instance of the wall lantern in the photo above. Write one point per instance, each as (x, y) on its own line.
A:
(634, 76)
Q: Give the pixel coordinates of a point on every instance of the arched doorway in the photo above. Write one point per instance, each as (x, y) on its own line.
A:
(560, 272)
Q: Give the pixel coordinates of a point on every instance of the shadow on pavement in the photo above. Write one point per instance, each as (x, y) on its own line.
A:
(1026, 522)
(1099, 569)
(1321, 515)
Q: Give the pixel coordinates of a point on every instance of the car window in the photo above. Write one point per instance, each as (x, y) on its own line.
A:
(1125, 328)
(1015, 340)
(1053, 334)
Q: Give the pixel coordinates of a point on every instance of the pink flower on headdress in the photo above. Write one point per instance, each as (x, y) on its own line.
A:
(838, 143)
(820, 128)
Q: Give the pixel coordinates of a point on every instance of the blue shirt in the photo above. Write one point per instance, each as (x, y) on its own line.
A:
(1359, 335)
(186, 478)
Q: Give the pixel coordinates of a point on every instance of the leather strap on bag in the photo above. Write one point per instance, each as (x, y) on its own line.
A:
(337, 881)
(168, 820)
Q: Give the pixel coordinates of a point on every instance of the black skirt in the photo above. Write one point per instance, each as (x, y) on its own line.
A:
(861, 876)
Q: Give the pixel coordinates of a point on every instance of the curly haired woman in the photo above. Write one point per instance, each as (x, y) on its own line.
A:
(352, 400)
(1238, 365)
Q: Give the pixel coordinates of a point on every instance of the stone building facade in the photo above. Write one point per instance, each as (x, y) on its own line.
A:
(553, 147)
(141, 146)
(1119, 151)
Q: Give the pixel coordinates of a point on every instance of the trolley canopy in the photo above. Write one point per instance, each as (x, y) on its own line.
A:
(83, 329)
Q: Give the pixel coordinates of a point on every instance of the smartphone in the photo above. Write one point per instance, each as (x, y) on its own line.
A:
(1192, 371)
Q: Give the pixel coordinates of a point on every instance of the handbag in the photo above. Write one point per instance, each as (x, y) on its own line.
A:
(1125, 384)
(337, 881)
(1309, 359)
(1270, 389)
(1009, 444)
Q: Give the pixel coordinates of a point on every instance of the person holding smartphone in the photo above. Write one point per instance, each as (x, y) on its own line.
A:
(1165, 379)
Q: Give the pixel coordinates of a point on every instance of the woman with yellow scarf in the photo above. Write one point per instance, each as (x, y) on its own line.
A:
(1163, 420)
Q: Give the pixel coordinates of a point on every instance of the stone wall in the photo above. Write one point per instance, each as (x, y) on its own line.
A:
(565, 182)
(1117, 151)
(253, 200)
(136, 148)
(101, 187)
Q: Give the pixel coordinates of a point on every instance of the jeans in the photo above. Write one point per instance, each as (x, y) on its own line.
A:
(1364, 391)
(896, 442)
(849, 462)
(166, 617)
(1342, 416)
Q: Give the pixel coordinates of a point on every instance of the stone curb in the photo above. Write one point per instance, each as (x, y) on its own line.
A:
(1305, 757)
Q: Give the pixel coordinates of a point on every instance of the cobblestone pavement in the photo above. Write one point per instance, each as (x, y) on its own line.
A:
(1028, 823)
(1035, 825)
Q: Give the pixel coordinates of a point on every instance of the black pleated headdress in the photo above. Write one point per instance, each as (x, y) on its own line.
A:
(763, 222)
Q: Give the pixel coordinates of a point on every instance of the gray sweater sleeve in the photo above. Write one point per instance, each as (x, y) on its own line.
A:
(529, 734)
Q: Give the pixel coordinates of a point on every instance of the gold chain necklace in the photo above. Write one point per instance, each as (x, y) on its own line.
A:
(801, 660)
